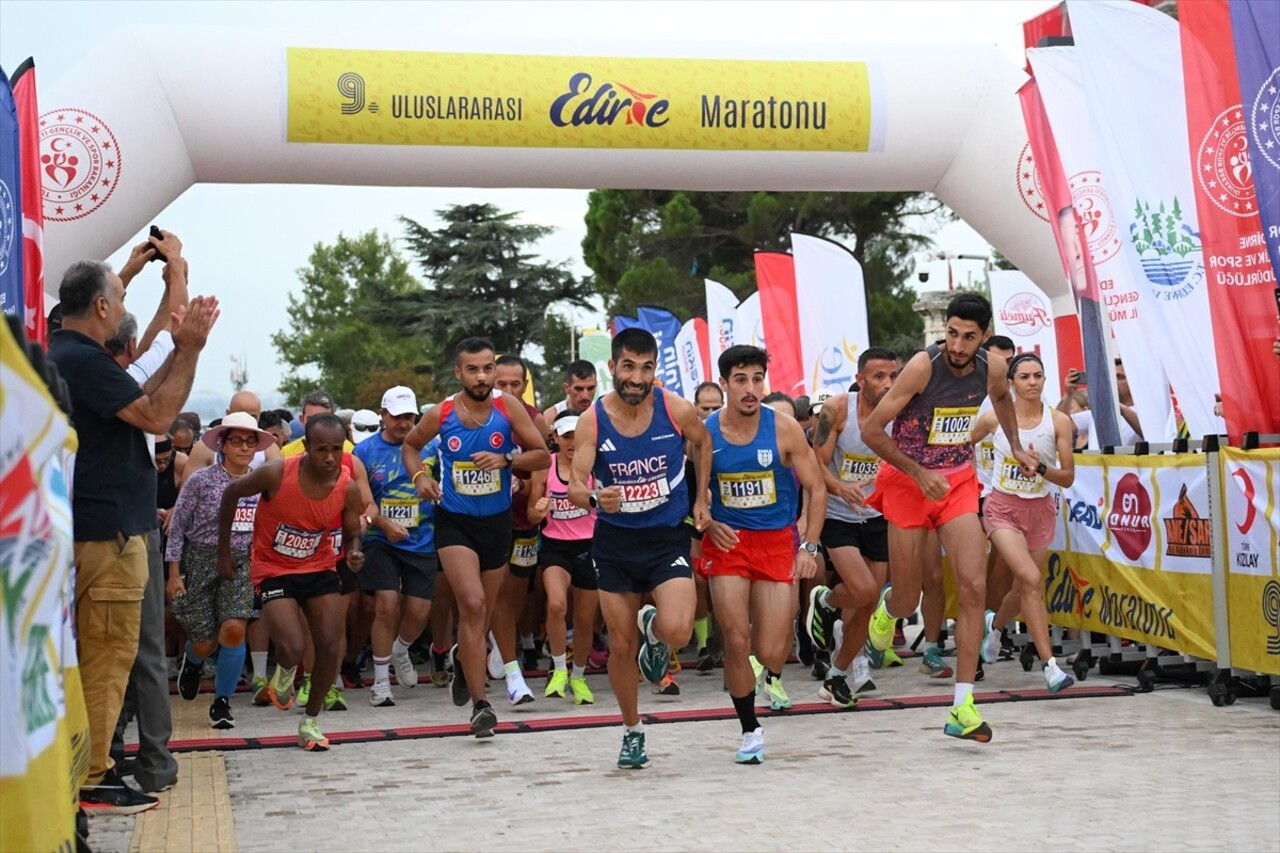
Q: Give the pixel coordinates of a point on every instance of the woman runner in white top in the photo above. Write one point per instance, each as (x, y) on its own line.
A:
(1020, 511)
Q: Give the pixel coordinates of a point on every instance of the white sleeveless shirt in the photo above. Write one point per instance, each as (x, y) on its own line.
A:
(1007, 476)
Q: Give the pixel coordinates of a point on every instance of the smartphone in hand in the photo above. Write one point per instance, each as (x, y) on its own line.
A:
(159, 255)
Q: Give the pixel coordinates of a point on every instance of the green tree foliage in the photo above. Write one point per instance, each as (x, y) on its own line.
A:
(333, 341)
(482, 280)
(656, 246)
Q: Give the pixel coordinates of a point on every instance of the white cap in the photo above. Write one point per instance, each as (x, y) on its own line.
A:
(823, 396)
(400, 401)
(364, 418)
(566, 425)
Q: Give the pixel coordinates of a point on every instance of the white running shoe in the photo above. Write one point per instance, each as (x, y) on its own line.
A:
(752, 750)
(860, 678)
(1054, 678)
(839, 637)
(518, 693)
(495, 658)
(406, 674)
(380, 695)
(990, 638)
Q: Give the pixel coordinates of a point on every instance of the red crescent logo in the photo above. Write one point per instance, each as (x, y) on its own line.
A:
(1246, 483)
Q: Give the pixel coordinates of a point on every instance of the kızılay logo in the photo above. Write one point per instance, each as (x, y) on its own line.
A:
(1024, 313)
(586, 104)
(1130, 516)
(1168, 248)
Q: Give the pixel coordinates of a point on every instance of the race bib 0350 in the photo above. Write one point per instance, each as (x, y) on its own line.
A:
(475, 482)
(747, 490)
(951, 425)
(246, 509)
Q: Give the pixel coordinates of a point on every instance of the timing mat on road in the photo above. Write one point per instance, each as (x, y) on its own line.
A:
(691, 715)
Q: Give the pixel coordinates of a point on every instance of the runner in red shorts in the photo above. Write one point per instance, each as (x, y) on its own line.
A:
(749, 552)
(927, 482)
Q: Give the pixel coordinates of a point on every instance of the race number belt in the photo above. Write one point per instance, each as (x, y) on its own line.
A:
(747, 490)
(403, 512)
(524, 552)
(951, 426)
(475, 482)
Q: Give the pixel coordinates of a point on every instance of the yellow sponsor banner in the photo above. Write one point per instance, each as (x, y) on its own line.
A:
(1167, 609)
(1251, 525)
(370, 97)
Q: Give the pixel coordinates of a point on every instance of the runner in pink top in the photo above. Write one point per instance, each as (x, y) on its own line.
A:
(565, 558)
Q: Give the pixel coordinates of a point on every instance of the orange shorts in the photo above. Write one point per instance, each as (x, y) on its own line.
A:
(902, 503)
(760, 555)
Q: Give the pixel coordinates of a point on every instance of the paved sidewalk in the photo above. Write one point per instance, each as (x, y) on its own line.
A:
(1144, 772)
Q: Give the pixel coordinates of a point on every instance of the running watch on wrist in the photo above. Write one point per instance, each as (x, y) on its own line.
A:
(1041, 468)
(510, 456)
(593, 498)
(811, 547)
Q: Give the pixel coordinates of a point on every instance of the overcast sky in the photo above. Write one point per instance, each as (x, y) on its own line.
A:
(250, 240)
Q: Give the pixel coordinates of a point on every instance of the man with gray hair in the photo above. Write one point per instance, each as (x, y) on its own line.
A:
(114, 499)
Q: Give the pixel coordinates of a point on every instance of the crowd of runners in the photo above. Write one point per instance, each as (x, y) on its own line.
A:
(464, 542)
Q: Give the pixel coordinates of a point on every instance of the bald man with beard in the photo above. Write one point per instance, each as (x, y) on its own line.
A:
(202, 457)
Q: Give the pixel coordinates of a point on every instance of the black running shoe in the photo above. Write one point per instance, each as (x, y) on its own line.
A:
(460, 693)
(836, 691)
(804, 646)
(188, 681)
(706, 660)
(220, 714)
(113, 796)
(529, 659)
(981, 674)
(351, 677)
(483, 719)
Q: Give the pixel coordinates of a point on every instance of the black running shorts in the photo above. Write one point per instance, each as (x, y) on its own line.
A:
(489, 536)
(639, 560)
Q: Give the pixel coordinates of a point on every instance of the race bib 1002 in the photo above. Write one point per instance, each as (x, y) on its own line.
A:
(402, 512)
(475, 482)
(747, 490)
(642, 497)
(951, 426)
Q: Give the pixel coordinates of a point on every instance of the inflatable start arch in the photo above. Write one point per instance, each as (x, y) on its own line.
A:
(126, 132)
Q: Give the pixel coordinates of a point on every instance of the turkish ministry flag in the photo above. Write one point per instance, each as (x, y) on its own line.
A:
(1241, 281)
(722, 318)
(1078, 267)
(776, 284)
(24, 98)
(1258, 69)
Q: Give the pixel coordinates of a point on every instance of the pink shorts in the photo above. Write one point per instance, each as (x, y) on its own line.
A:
(1032, 517)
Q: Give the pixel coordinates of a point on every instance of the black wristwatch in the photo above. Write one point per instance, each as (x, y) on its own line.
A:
(594, 499)
(1041, 468)
(510, 456)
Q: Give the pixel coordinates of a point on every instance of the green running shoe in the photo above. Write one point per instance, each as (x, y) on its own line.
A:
(632, 756)
(304, 692)
(931, 664)
(654, 656)
(280, 688)
(778, 698)
(311, 738)
(880, 628)
(334, 700)
(891, 658)
(757, 669)
(821, 624)
(581, 692)
(556, 686)
(965, 722)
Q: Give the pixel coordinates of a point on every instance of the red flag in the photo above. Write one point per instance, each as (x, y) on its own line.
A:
(776, 282)
(1051, 22)
(1241, 283)
(704, 347)
(24, 97)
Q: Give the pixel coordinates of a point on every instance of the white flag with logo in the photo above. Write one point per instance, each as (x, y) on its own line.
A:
(693, 370)
(722, 317)
(1131, 66)
(750, 328)
(1022, 313)
(1130, 311)
(831, 300)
